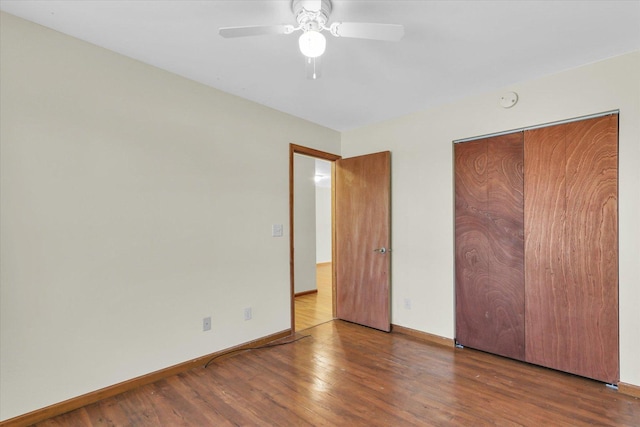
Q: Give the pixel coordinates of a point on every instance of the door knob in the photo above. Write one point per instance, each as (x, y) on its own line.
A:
(382, 250)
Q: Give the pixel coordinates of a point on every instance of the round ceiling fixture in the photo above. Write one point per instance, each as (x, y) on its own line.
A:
(508, 100)
(312, 44)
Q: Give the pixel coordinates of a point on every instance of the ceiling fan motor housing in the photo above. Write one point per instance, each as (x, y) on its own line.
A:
(311, 14)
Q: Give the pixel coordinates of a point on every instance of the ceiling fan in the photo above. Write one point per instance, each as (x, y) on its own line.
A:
(312, 17)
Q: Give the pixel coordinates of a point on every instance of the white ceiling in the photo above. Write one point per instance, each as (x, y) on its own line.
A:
(451, 49)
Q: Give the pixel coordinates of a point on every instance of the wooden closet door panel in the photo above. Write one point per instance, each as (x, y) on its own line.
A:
(472, 246)
(571, 248)
(505, 215)
(546, 313)
(489, 245)
(592, 247)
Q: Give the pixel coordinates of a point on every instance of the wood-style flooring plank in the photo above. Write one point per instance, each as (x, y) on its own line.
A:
(313, 309)
(342, 374)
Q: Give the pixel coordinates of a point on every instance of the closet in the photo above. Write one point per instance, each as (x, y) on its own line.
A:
(536, 244)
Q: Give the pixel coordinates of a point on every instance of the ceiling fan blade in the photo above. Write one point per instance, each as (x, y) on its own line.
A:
(362, 30)
(258, 30)
(313, 67)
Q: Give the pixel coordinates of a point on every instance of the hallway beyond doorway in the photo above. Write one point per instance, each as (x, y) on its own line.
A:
(316, 308)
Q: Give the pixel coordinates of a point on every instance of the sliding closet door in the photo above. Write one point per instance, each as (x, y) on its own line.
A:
(571, 247)
(547, 306)
(489, 245)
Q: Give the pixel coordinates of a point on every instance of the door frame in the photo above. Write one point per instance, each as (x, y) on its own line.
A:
(322, 155)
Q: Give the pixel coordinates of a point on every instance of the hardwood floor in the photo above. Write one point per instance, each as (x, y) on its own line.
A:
(314, 309)
(341, 374)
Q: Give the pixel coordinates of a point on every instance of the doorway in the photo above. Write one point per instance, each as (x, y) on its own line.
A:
(361, 236)
(311, 212)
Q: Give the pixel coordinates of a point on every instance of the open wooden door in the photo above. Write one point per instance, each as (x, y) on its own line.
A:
(362, 239)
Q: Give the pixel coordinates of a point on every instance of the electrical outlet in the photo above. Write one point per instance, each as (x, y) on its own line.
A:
(206, 324)
(407, 304)
(247, 313)
(277, 230)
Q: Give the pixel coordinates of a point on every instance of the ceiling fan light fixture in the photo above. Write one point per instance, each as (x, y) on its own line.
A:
(312, 43)
(312, 17)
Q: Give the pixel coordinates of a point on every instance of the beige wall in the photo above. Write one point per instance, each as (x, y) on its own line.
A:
(323, 224)
(422, 176)
(133, 204)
